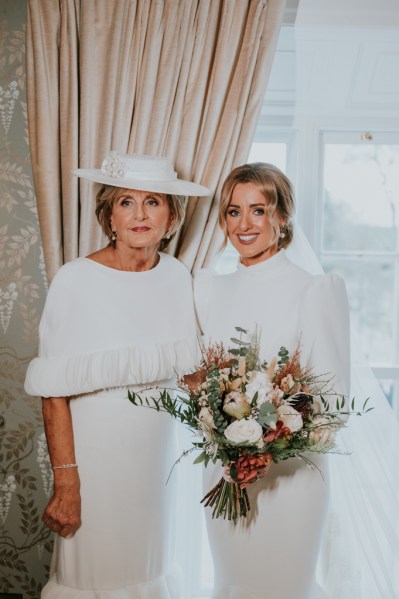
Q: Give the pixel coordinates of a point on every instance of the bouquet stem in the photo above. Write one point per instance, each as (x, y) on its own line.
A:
(228, 501)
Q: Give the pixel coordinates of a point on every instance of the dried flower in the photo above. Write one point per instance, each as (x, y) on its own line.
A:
(248, 413)
(236, 405)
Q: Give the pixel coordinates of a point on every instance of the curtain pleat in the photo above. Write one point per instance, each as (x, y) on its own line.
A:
(180, 78)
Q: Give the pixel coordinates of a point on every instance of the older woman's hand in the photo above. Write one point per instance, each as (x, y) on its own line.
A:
(63, 512)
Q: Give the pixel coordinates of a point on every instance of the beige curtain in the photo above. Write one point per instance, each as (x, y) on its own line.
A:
(181, 78)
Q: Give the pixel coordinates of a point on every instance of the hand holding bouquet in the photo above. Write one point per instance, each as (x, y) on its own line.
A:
(249, 413)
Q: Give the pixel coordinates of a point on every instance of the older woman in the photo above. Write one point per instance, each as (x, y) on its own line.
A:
(121, 317)
(273, 554)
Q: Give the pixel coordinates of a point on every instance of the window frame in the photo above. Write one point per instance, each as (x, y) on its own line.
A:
(305, 168)
(382, 371)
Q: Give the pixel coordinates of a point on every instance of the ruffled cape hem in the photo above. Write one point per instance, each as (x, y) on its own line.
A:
(65, 376)
(164, 587)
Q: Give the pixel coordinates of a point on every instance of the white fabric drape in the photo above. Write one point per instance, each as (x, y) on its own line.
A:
(360, 553)
(172, 77)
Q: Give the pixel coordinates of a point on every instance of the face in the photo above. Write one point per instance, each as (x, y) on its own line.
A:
(248, 225)
(140, 218)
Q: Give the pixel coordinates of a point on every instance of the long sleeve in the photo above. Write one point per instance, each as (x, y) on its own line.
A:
(103, 328)
(325, 330)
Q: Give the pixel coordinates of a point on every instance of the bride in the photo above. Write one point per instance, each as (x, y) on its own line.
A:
(274, 553)
(359, 529)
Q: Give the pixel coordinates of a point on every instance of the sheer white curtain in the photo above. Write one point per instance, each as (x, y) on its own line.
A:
(360, 552)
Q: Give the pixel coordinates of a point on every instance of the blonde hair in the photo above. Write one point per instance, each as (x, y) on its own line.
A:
(274, 186)
(105, 201)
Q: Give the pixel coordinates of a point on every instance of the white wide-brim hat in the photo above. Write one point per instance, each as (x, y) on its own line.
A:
(145, 173)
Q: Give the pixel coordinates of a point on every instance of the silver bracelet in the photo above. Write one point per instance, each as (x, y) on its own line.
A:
(63, 466)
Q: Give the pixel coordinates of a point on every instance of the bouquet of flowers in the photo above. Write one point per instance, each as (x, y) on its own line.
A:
(248, 413)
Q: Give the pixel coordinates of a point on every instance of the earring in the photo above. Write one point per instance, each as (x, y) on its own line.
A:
(167, 236)
(283, 232)
(113, 238)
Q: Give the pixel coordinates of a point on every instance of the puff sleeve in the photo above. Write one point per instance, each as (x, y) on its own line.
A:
(325, 330)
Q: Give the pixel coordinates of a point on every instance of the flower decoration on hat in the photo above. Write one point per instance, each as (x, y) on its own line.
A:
(113, 166)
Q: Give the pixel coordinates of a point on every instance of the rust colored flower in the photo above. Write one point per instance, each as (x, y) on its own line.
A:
(279, 431)
(216, 355)
(192, 382)
(248, 469)
(293, 368)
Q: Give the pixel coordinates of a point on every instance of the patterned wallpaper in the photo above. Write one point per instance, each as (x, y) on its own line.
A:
(25, 474)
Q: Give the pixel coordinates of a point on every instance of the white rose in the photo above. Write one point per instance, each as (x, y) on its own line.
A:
(206, 418)
(258, 383)
(324, 433)
(289, 417)
(244, 431)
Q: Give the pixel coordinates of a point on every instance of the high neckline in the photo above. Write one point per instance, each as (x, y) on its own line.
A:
(266, 266)
(128, 272)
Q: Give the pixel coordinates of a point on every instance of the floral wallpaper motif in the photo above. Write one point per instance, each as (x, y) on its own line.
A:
(25, 473)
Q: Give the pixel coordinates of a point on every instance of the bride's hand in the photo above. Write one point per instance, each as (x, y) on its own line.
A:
(63, 512)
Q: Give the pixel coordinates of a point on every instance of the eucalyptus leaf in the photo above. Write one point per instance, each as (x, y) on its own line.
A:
(267, 414)
(240, 342)
(240, 330)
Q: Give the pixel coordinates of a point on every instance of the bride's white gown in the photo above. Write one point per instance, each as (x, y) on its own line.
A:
(104, 331)
(273, 554)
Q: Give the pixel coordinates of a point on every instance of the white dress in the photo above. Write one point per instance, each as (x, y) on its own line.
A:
(273, 554)
(102, 331)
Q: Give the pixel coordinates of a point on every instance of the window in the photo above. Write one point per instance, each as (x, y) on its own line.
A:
(355, 235)
(359, 241)
(274, 152)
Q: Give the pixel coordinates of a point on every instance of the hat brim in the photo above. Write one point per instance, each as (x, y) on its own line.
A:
(178, 187)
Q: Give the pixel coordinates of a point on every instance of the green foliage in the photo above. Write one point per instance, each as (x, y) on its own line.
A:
(267, 414)
(200, 458)
(269, 432)
(240, 330)
(177, 407)
(215, 399)
(283, 355)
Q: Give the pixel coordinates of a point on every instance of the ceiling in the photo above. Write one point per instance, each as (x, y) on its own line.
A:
(337, 59)
(344, 13)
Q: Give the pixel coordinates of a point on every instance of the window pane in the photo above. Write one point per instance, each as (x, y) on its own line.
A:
(388, 386)
(274, 153)
(361, 197)
(370, 286)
